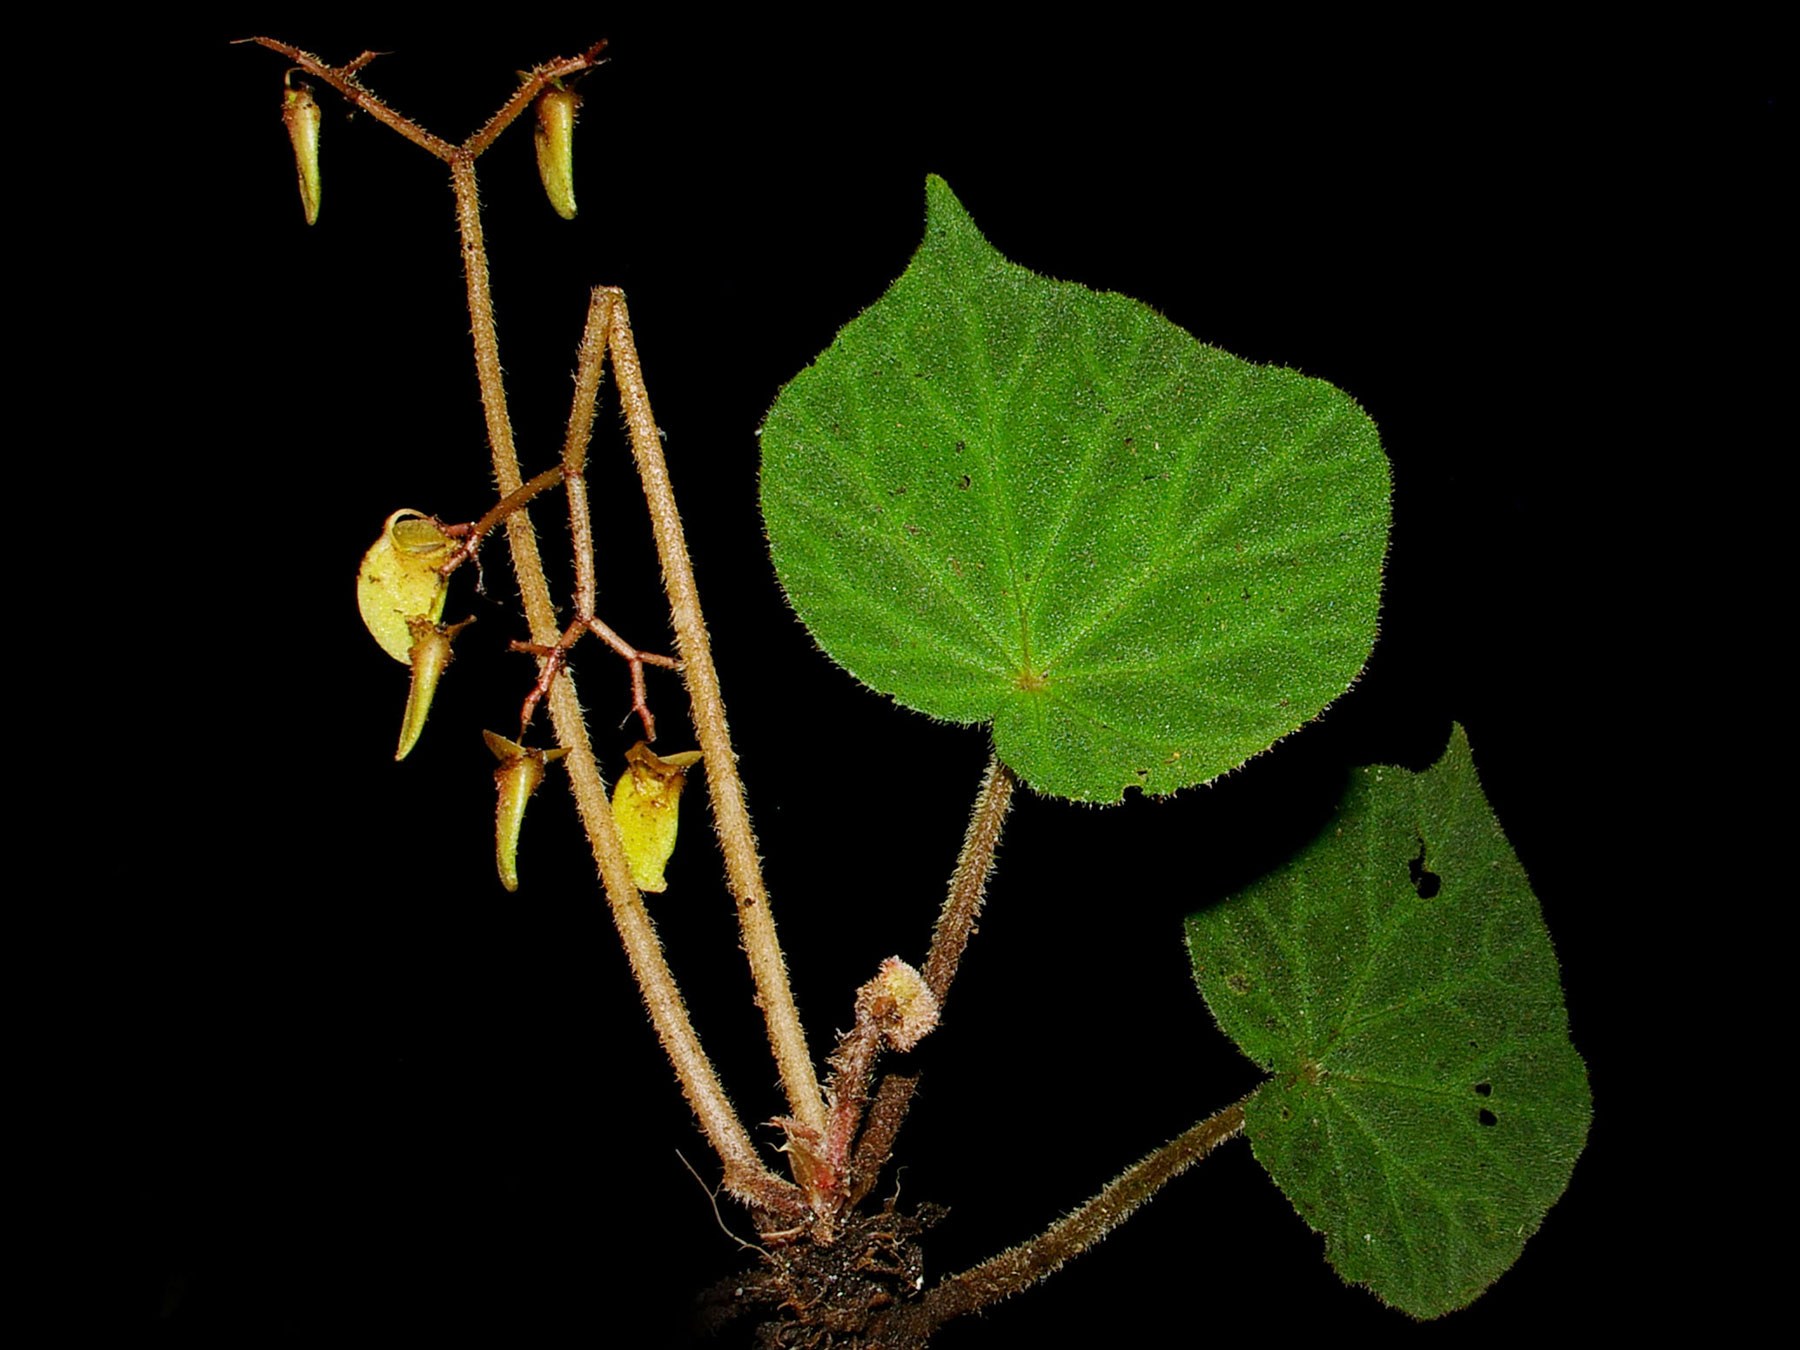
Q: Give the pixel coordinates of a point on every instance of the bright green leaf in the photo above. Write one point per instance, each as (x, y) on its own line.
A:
(1397, 979)
(1001, 498)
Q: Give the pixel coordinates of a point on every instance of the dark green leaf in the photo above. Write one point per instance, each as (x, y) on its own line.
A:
(1397, 979)
(1001, 498)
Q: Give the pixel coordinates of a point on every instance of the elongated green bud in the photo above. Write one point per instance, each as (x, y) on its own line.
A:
(645, 806)
(301, 114)
(555, 137)
(430, 654)
(518, 776)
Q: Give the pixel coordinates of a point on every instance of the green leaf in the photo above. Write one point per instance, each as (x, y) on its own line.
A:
(1397, 979)
(1001, 498)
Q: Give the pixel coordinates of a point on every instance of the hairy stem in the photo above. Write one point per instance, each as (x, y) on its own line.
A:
(956, 921)
(730, 817)
(1020, 1267)
(511, 502)
(345, 82)
(968, 884)
(540, 614)
(745, 1175)
(343, 79)
(588, 371)
(881, 1126)
(535, 83)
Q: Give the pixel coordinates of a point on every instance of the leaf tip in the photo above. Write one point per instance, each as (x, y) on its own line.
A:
(944, 211)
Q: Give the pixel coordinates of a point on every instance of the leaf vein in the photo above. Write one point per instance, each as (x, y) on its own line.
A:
(1153, 571)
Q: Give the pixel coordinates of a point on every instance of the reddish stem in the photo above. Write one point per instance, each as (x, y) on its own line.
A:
(1020, 1267)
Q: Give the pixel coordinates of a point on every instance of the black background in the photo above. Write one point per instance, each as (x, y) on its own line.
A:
(337, 1086)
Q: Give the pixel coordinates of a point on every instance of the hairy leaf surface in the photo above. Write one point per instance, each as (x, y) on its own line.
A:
(1000, 498)
(1397, 979)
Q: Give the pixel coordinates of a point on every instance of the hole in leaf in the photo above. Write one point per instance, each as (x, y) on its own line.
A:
(1487, 1117)
(1425, 882)
(966, 480)
(1484, 1088)
(1286, 1114)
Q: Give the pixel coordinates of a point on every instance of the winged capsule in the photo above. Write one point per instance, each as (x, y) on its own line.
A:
(519, 774)
(399, 581)
(555, 138)
(645, 805)
(300, 112)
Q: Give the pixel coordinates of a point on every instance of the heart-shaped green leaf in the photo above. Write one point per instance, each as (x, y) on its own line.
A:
(1397, 979)
(1001, 498)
